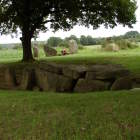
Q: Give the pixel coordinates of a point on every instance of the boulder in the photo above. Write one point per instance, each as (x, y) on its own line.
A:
(122, 84)
(48, 81)
(35, 51)
(2, 77)
(111, 47)
(28, 81)
(136, 80)
(106, 72)
(41, 79)
(90, 85)
(18, 75)
(54, 68)
(49, 51)
(74, 71)
(73, 47)
(9, 79)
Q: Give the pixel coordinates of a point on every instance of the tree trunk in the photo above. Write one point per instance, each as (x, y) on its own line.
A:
(27, 50)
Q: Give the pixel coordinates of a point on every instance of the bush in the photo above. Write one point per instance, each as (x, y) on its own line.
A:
(64, 44)
(125, 44)
(118, 45)
(54, 41)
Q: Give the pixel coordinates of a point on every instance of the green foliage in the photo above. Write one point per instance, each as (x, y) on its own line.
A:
(121, 44)
(72, 37)
(86, 12)
(54, 41)
(132, 34)
(64, 44)
(125, 44)
(89, 40)
(83, 40)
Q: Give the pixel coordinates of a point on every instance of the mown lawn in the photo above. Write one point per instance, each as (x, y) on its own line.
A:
(52, 116)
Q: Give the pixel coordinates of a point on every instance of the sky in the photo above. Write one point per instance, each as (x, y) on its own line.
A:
(81, 30)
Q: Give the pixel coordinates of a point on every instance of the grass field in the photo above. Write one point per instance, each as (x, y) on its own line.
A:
(92, 116)
(91, 54)
(51, 116)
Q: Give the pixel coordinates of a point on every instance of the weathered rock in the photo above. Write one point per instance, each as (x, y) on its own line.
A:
(54, 68)
(74, 71)
(41, 79)
(35, 51)
(66, 78)
(90, 85)
(49, 51)
(18, 76)
(7, 78)
(122, 84)
(105, 72)
(111, 47)
(28, 80)
(136, 80)
(73, 47)
(48, 81)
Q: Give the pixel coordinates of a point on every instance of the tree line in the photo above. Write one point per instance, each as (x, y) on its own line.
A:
(89, 40)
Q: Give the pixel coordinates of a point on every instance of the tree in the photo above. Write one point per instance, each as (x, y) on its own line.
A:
(32, 16)
(91, 40)
(72, 37)
(54, 41)
(83, 40)
(132, 34)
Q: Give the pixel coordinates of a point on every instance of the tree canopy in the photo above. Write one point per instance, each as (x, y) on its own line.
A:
(33, 16)
(132, 34)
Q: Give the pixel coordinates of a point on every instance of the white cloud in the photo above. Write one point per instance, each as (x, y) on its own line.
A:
(79, 30)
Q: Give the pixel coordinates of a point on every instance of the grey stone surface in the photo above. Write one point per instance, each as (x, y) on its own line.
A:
(49, 51)
(90, 85)
(122, 84)
(73, 47)
(49, 81)
(74, 71)
(35, 52)
(104, 72)
(67, 78)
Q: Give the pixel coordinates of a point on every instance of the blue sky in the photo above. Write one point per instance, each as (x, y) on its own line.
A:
(80, 30)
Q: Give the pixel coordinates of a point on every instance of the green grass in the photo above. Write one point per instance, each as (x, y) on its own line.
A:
(91, 54)
(92, 116)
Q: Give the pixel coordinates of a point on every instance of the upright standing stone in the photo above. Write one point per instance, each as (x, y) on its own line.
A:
(73, 47)
(35, 51)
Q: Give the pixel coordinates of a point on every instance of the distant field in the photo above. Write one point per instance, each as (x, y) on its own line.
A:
(90, 54)
(49, 116)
